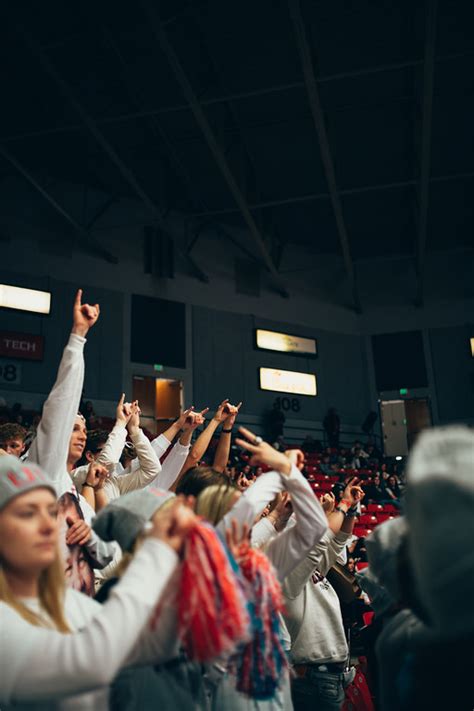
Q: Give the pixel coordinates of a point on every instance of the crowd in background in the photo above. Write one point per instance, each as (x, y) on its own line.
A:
(204, 568)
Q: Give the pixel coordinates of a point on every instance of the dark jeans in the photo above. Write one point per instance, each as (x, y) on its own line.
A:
(318, 690)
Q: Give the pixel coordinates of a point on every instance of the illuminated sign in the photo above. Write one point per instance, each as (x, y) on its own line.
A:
(14, 297)
(285, 343)
(288, 381)
(472, 347)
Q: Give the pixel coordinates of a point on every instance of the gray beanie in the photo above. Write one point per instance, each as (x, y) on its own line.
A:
(383, 548)
(124, 518)
(17, 477)
(439, 508)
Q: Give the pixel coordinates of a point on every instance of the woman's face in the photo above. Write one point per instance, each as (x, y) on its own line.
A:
(29, 532)
(351, 565)
(391, 481)
(377, 479)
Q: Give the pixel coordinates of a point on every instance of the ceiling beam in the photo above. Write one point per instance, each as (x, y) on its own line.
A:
(313, 197)
(425, 167)
(319, 123)
(239, 96)
(212, 143)
(137, 99)
(87, 239)
(91, 125)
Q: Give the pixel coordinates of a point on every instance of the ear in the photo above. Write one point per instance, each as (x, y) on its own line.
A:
(89, 456)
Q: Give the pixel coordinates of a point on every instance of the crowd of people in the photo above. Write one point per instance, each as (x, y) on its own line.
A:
(205, 569)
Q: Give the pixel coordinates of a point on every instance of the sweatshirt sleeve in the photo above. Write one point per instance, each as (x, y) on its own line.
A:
(253, 501)
(148, 470)
(286, 550)
(320, 558)
(50, 447)
(172, 466)
(113, 448)
(262, 533)
(38, 663)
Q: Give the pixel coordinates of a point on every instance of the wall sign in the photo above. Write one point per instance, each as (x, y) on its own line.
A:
(285, 343)
(288, 381)
(10, 373)
(21, 345)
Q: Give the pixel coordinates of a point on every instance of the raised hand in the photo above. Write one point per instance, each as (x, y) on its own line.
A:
(222, 411)
(237, 539)
(194, 420)
(229, 421)
(263, 453)
(296, 457)
(123, 412)
(353, 493)
(84, 315)
(133, 424)
(328, 502)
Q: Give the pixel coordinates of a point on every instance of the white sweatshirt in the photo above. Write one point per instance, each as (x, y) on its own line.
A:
(147, 472)
(50, 447)
(42, 665)
(108, 457)
(312, 609)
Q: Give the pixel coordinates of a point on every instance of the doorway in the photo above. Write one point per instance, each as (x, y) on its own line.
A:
(160, 401)
(402, 421)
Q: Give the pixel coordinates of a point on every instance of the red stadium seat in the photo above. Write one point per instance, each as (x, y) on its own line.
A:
(368, 520)
(361, 565)
(362, 532)
(372, 508)
(390, 508)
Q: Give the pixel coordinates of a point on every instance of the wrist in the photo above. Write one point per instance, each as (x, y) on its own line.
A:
(285, 467)
(133, 431)
(91, 486)
(226, 430)
(80, 331)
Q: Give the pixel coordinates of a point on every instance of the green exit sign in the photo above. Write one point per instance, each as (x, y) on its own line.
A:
(158, 368)
(403, 391)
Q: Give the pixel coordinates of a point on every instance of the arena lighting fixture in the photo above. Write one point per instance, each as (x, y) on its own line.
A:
(288, 381)
(15, 297)
(472, 347)
(285, 343)
(399, 459)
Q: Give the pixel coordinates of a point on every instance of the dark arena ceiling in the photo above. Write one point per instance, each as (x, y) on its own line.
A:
(334, 127)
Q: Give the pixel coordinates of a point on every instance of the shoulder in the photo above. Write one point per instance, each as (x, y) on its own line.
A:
(79, 608)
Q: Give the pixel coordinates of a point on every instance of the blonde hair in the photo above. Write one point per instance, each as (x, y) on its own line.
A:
(214, 502)
(50, 593)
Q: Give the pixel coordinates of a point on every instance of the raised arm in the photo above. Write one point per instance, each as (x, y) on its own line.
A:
(326, 551)
(149, 464)
(221, 456)
(51, 444)
(286, 549)
(174, 462)
(162, 443)
(113, 448)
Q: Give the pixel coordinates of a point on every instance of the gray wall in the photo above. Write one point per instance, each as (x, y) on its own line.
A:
(226, 364)
(103, 350)
(453, 369)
